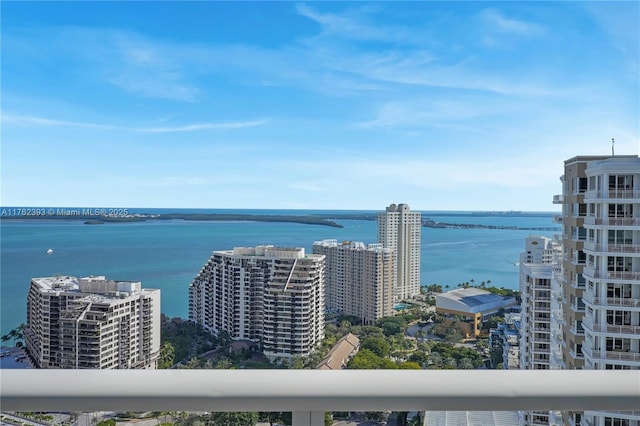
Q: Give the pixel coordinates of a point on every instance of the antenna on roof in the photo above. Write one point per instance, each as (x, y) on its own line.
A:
(613, 142)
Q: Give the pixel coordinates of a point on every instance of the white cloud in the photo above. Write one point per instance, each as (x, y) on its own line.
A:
(498, 22)
(40, 121)
(352, 24)
(424, 114)
(203, 126)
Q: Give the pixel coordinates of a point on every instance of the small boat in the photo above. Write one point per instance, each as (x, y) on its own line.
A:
(50, 251)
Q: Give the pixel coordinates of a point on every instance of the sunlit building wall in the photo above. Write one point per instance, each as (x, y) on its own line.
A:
(271, 295)
(92, 323)
(400, 229)
(359, 278)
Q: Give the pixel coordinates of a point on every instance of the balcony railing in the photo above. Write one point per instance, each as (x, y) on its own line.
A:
(615, 355)
(611, 221)
(612, 193)
(309, 393)
(613, 301)
(616, 248)
(615, 329)
(610, 275)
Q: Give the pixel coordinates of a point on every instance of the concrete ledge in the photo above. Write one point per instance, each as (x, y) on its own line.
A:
(315, 391)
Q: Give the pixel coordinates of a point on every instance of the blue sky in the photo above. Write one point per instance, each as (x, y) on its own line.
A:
(318, 105)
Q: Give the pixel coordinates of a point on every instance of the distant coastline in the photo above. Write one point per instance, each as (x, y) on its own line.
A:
(324, 219)
(142, 217)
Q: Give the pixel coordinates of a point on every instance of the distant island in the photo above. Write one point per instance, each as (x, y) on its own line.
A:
(430, 223)
(324, 219)
(142, 217)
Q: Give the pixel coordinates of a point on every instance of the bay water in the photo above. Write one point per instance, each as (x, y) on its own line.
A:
(167, 254)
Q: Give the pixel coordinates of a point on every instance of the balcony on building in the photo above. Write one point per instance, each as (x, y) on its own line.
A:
(613, 194)
(618, 222)
(558, 199)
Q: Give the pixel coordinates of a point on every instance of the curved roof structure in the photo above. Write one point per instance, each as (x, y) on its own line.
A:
(472, 301)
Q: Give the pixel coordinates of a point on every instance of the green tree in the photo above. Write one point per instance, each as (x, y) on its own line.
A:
(367, 360)
(297, 363)
(167, 356)
(392, 325)
(274, 417)
(224, 363)
(328, 419)
(466, 364)
(420, 357)
(410, 365)
(231, 419)
(377, 345)
(15, 334)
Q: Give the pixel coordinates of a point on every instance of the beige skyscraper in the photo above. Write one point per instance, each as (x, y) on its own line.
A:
(600, 277)
(271, 295)
(359, 278)
(400, 229)
(92, 323)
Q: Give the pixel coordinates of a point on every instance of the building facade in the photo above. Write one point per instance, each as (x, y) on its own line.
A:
(267, 294)
(538, 264)
(92, 323)
(612, 274)
(359, 278)
(600, 276)
(400, 229)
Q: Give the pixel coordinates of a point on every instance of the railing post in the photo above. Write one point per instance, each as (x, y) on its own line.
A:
(308, 418)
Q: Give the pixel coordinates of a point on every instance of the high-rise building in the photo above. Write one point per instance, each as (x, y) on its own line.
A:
(400, 229)
(359, 278)
(601, 271)
(92, 323)
(538, 263)
(266, 294)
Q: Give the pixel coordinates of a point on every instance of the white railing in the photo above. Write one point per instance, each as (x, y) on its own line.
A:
(309, 393)
(613, 329)
(612, 193)
(611, 221)
(616, 356)
(616, 248)
(613, 301)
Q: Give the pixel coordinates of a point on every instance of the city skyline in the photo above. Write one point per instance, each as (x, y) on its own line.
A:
(321, 105)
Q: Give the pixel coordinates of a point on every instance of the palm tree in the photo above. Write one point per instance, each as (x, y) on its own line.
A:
(13, 334)
(20, 333)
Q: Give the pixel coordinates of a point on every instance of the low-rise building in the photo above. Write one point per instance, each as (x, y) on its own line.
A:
(340, 354)
(473, 304)
(506, 336)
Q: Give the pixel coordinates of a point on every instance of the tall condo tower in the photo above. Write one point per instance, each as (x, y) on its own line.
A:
(271, 295)
(538, 263)
(400, 229)
(601, 271)
(359, 278)
(92, 323)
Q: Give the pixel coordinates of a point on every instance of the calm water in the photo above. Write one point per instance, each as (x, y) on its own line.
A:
(168, 254)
